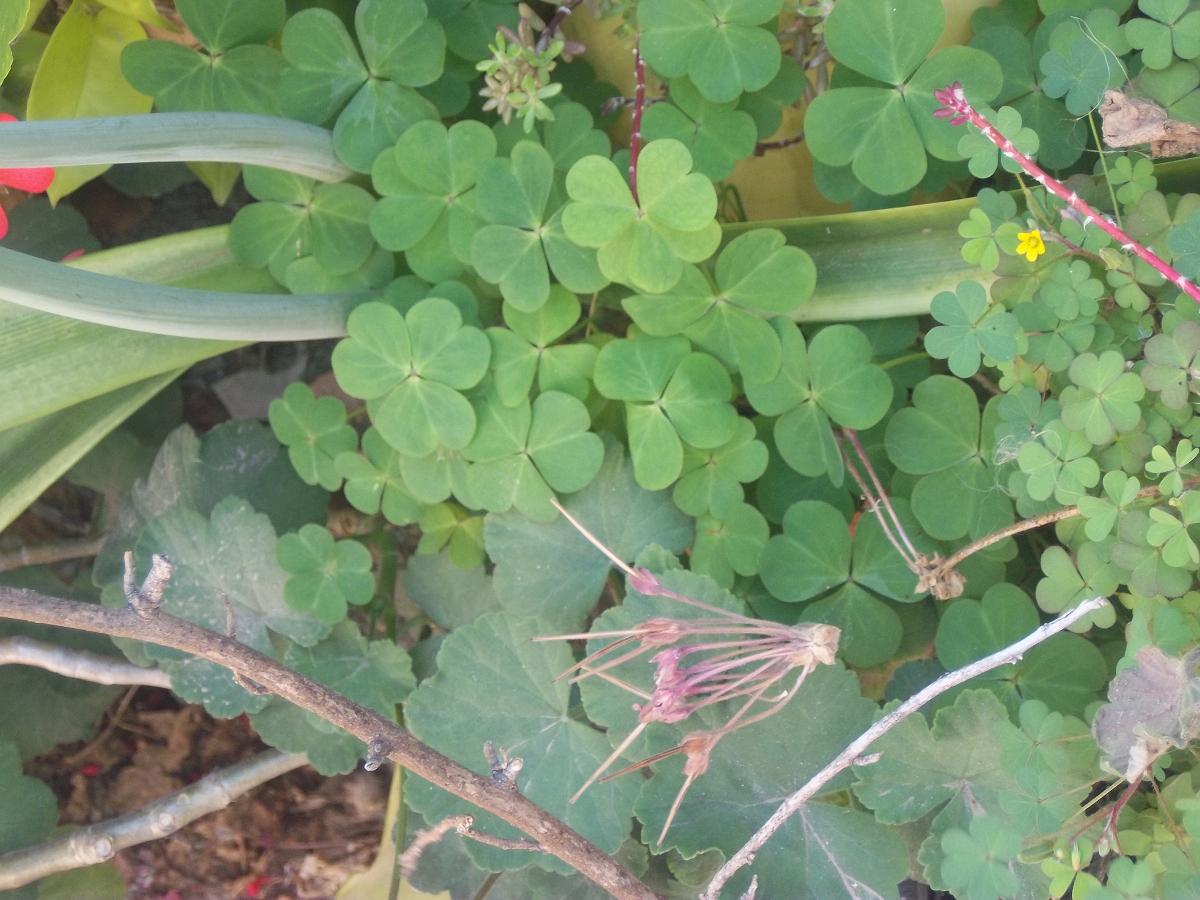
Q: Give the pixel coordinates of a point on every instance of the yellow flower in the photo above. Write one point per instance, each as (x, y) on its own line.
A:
(1030, 244)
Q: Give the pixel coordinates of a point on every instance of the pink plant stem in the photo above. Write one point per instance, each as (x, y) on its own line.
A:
(879, 500)
(958, 109)
(639, 106)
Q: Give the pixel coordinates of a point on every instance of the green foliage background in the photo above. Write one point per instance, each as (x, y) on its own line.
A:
(539, 327)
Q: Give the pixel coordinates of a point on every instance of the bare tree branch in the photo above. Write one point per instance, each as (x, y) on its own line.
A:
(853, 754)
(24, 651)
(158, 627)
(94, 844)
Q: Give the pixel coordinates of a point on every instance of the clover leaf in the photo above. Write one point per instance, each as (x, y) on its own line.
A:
(883, 132)
(712, 479)
(1080, 67)
(716, 43)
(314, 430)
(671, 395)
(374, 481)
(298, 217)
(970, 329)
(1172, 467)
(524, 453)
(1169, 533)
(1170, 31)
(718, 135)
(643, 243)
(757, 273)
(1184, 241)
(1066, 673)
(943, 438)
(568, 137)
(1068, 582)
(815, 557)
(324, 575)
(729, 542)
(983, 156)
(1104, 397)
(1056, 464)
(232, 72)
(831, 378)
(412, 368)
(450, 526)
(550, 571)
(1100, 513)
(523, 241)
(426, 182)
(521, 352)
(1053, 341)
(371, 94)
(375, 674)
(988, 228)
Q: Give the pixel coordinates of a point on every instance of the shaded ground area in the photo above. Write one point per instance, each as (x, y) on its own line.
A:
(299, 836)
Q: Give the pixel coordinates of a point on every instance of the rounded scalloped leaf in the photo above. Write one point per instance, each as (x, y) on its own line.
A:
(376, 674)
(716, 43)
(324, 575)
(314, 430)
(713, 479)
(494, 684)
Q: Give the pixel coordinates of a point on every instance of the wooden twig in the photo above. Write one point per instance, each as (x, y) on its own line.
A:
(79, 664)
(855, 750)
(97, 843)
(165, 630)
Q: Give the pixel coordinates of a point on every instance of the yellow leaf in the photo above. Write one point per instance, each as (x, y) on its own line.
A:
(80, 77)
(218, 177)
(142, 10)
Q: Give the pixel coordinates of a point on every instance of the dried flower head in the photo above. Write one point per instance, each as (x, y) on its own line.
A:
(701, 662)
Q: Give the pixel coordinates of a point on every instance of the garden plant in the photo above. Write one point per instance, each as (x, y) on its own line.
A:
(746, 447)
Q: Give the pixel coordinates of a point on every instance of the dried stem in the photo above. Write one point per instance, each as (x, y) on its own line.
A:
(879, 498)
(639, 106)
(96, 843)
(857, 748)
(42, 554)
(958, 110)
(556, 22)
(1048, 518)
(763, 147)
(166, 630)
(79, 664)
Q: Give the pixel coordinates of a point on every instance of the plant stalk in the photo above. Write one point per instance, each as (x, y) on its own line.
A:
(175, 137)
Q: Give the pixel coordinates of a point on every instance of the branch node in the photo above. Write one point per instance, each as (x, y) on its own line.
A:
(378, 749)
(505, 769)
(147, 599)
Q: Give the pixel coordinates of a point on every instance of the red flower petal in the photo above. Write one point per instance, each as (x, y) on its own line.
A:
(3, 223)
(33, 181)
